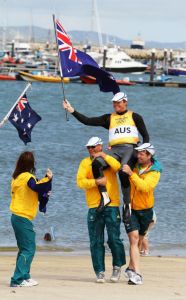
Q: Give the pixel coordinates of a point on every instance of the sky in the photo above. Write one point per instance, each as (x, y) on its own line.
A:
(153, 20)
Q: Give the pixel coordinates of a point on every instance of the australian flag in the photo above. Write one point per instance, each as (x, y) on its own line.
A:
(24, 118)
(77, 63)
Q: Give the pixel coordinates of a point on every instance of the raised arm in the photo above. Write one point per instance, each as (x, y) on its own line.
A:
(103, 121)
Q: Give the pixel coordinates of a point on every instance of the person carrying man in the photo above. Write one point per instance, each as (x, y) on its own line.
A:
(124, 127)
(143, 180)
(109, 217)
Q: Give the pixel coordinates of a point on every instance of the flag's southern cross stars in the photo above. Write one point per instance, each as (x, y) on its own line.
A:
(24, 118)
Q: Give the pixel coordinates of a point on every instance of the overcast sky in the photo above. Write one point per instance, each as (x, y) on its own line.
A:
(157, 20)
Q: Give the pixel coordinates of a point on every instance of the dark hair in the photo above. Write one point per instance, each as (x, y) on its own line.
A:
(25, 163)
(148, 153)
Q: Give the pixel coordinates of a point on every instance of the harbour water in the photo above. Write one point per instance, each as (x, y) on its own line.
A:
(59, 144)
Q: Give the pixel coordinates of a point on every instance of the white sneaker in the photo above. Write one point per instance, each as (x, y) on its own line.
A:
(115, 274)
(32, 282)
(144, 253)
(128, 273)
(135, 279)
(24, 283)
(106, 199)
(100, 277)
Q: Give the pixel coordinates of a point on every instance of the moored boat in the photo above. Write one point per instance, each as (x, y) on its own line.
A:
(117, 61)
(7, 77)
(92, 80)
(137, 43)
(177, 71)
(43, 78)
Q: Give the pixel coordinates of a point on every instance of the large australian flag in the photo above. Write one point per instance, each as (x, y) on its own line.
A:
(74, 62)
(24, 118)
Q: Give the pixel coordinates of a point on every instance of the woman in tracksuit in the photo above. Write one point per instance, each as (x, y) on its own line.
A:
(26, 192)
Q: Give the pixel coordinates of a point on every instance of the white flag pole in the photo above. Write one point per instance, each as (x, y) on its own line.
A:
(5, 119)
(61, 73)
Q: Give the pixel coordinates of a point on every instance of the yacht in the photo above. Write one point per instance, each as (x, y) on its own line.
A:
(178, 67)
(117, 61)
(138, 43)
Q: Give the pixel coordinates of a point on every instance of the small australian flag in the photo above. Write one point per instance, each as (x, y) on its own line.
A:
(24, 118)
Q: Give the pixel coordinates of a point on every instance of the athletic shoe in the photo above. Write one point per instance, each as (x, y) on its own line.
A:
(100, 277)
(126, 213)
(32, 281)
(115, 274)
(128, 272)
(24, 283)
(144, 253)
(105, 200)
(135, 279)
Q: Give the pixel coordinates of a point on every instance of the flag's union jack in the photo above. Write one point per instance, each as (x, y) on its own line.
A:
(74, 62)
(21, 104)
(64, 42)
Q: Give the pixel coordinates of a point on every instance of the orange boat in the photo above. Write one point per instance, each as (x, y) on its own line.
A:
(92, 80)
(7, 77)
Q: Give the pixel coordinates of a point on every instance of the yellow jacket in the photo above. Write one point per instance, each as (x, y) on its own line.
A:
(142, 187)
(24, 201)
(86, 181)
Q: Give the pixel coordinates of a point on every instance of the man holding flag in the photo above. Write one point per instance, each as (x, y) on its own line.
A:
(123, 125)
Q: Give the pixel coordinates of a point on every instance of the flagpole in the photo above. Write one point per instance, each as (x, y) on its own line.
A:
(61, 73)
(5, 119)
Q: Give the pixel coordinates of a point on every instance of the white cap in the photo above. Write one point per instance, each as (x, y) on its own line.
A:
(146, 146)
(120, 97)
(94, 141)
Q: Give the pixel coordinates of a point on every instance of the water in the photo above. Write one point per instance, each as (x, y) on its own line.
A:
(60, 145)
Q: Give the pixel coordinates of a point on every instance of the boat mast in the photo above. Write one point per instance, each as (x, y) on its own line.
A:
(4, 27)
(95, 15)
(31, 37)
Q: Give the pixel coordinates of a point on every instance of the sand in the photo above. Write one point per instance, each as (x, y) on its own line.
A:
(70, 277)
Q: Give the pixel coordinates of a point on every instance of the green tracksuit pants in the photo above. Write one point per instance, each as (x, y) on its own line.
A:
(109, 218)
(25, 236)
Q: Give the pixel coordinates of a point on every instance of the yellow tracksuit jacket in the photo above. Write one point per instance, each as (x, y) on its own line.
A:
(86, 181)
(24, 202)
(142, 186)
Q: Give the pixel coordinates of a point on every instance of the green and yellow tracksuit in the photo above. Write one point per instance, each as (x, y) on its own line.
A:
(24, 207)
(109, 217)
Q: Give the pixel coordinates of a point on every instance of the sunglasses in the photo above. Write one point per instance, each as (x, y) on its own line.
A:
(89, 147)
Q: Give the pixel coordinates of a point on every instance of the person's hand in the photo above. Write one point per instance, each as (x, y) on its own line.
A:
(98, 154)
(101, 181)
(49, 174)
(127, 170)
(67, 106)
